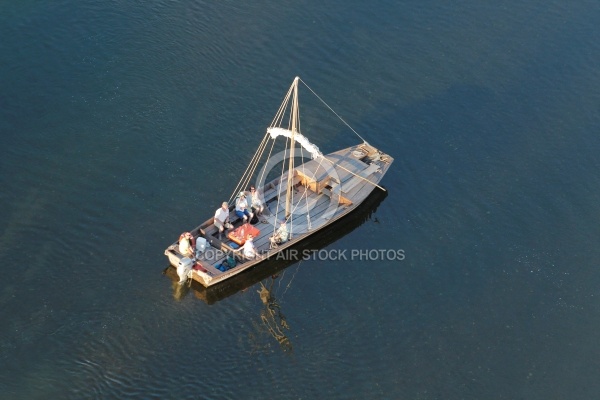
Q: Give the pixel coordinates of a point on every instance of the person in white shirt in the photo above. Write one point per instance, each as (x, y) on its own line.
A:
(221, 220)
(255, 203)
(241, 208)
(248, 249)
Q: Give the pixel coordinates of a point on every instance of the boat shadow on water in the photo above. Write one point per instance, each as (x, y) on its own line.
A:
(268, 269)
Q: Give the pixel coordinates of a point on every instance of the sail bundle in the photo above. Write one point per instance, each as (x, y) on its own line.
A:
(303, 140)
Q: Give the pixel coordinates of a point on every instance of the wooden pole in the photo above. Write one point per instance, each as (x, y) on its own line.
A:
(288, 196)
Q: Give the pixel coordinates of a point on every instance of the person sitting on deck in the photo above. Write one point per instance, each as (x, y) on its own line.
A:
(241, 208)
(221, 219)
(255, 203)
(281, 234)
(249, 250)
(186, 244)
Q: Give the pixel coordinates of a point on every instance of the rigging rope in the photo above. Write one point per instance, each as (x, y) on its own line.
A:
(331, 109)
(250, 168)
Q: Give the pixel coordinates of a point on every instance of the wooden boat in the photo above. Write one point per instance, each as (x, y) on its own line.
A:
(273, 267)
(307, 197)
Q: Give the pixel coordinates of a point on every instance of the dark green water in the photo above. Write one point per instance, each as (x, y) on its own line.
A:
(124, 123)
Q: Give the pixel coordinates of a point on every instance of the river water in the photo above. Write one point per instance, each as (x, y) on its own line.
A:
(123, 124)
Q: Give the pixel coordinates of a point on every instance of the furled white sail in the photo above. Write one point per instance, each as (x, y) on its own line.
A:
(308, 146)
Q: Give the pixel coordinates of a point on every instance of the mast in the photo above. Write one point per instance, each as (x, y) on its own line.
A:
(290, 181)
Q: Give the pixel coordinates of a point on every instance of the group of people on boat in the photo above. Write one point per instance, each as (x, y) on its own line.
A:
(247, 206)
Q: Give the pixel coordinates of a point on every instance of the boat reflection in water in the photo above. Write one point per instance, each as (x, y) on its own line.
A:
(271, 317)
(273, 266)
